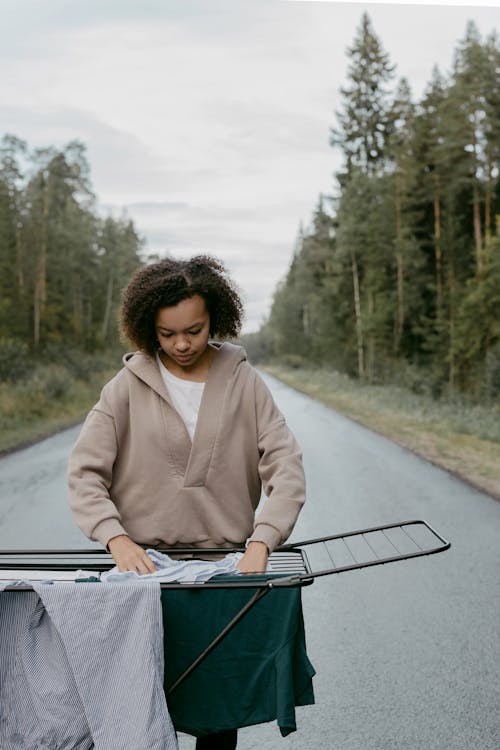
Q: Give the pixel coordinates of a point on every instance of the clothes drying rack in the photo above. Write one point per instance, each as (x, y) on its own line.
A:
(289, 565)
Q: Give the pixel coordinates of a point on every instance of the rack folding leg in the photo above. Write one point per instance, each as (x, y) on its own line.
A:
(289, 566)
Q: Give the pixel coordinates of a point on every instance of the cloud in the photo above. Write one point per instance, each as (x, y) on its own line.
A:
(207, 122)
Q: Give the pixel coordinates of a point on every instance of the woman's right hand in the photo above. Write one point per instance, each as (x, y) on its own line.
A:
(130, 556)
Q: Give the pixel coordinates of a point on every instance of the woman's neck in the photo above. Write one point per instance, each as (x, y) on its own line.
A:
(197, 372)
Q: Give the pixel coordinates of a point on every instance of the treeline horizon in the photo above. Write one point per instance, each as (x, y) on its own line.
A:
(397, 278)
(62, 264)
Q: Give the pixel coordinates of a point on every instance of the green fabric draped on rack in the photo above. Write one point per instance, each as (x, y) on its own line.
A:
(258, 673)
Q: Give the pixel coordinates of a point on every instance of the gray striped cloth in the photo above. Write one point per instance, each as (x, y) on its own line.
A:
(81, 667)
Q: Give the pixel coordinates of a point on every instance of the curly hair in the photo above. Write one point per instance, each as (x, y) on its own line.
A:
(168, 282)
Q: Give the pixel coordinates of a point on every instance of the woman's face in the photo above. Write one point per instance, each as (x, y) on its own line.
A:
(183, 330)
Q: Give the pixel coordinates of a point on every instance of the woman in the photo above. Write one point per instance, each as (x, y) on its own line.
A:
(186, 435)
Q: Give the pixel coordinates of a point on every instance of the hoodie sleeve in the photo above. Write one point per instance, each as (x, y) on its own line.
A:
(280, 470)
(90, 470)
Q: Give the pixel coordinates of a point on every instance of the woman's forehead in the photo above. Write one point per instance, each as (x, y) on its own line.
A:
(183, 315)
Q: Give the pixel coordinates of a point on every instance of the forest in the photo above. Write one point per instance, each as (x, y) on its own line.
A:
(62, 269)
(397, 278)
(62, 265)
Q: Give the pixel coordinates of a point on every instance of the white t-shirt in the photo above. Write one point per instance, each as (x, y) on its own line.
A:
(185, 396)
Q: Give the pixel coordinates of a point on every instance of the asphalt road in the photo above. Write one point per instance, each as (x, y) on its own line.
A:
(408, 654)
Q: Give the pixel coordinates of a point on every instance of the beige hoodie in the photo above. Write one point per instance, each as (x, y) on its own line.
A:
(134, 470)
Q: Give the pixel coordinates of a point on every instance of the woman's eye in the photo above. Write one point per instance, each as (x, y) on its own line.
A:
(190, 333)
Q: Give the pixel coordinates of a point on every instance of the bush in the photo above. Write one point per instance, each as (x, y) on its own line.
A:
(50, 395)
(294, 361)
(35, 396)
(81, 364)
(15, 360)
(491, 379)
(54, 381)
(418, 380)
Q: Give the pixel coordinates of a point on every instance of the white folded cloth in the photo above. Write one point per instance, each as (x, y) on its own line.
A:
(178, 571)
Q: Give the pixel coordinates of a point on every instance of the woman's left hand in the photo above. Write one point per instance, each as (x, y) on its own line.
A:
(255, 558)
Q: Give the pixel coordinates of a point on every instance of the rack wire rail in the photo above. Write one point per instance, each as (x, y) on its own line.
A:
(289, 565)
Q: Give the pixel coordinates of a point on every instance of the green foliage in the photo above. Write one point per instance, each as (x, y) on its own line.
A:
(52, 391)
(46, 384)
(400, 282)
(477, 341)
(258, 346)
(365, 122)
(491, 378)
(15, 360)
(62, 267)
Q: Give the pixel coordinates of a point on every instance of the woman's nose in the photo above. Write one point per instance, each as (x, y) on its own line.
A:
(182, 344)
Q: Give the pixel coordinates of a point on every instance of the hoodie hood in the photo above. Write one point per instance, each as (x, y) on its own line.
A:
(225, 364)
(195, 462)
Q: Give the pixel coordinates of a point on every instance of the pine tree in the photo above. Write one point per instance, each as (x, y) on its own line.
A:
(366, 124)
(365, 120)
(492, 135)
(60, 182)
(478, 325)
(468, 99)
(406, 271)
(431, 178)
(119, 256)
(12, 282)
(298, 310)
(404, 179)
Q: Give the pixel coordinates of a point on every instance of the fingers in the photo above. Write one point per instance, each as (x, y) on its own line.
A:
(130, 556)
(255, 558)
(141, 564)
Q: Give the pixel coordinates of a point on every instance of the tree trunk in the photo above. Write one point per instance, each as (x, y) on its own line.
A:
(36, 314)
(42, 272)
(476, 212)
(399, 269)
(19, 262)
(77, 310)
(359, 320)
(477, 230)
(40, 290)
(88, 333)
(370, 368)
(438, 257)
(451, 326)
(487, 209)
(108, 306)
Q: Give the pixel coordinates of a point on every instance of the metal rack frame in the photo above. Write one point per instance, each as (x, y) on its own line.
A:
(290, 567)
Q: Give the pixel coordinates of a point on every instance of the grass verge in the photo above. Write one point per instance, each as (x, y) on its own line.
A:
(462, 438)
(62, 413)
(49, 399)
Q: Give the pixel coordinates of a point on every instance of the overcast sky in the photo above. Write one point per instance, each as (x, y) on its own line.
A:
(207, 122)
